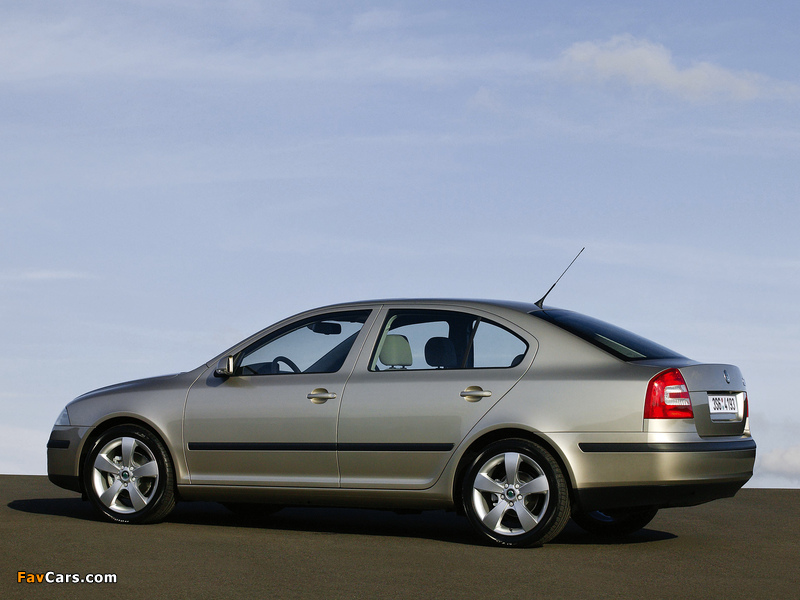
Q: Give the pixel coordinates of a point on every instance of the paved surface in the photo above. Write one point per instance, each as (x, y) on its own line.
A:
(744, 547)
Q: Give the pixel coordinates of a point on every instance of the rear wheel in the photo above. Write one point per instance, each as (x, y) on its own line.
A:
(129, 477)
(515, 494)
(614, 523)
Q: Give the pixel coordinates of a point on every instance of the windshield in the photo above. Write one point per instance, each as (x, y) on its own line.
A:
(616, 341)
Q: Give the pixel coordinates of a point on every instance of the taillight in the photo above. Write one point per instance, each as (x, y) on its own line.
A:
(746, 406)
(668, 397)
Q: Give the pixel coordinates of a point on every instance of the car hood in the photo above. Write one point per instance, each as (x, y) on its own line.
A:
(147, 384)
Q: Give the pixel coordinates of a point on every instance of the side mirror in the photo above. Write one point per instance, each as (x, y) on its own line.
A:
(224, 368)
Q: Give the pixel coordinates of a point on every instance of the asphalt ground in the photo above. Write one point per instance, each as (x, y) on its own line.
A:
(742, 547)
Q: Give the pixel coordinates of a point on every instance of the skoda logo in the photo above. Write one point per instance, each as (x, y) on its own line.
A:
(727, 377)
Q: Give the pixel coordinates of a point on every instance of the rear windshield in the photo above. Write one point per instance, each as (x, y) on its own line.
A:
(614, 340)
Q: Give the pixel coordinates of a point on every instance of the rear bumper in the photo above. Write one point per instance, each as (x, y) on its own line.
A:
(657, 496)
(693, 447)
(656, 470)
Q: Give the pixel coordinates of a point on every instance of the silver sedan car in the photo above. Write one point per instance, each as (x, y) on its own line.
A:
(518, 416)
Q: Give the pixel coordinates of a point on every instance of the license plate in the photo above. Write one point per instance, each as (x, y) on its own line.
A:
(722, 404)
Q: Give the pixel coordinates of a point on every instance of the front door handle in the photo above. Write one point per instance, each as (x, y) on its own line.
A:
(321, 396)
(474, 393)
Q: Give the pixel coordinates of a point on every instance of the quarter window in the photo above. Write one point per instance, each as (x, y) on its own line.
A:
(422, 340)
(496, 347)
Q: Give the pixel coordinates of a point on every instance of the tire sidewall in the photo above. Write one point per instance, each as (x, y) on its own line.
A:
(164, 472)
(557, 503)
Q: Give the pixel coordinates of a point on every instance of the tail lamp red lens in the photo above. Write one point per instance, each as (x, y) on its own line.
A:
(668, 397)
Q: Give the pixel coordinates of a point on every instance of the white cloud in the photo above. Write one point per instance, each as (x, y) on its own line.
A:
(383, 20)
(69, 49)
(44, 275)
(644, 64)
(76, 49)
(485, 99)
(782, 461)
(377, 19)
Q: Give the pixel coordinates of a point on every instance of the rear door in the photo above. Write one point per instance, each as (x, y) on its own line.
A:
(426, 376)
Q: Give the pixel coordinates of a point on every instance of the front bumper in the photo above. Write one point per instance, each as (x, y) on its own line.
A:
(63, 456)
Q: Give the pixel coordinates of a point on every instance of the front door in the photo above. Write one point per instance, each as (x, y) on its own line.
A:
(273, 422)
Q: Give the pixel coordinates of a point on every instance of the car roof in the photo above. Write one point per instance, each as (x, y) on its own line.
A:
(523, 307)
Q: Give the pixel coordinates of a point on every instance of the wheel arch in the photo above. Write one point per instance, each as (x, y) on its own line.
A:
(116, 421)
(477, 445)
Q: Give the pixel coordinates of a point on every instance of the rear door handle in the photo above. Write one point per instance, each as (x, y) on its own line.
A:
(321, 396)
(474, 393)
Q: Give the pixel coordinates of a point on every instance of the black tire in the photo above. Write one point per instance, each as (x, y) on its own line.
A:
(614, 523)
(526, 507)
(129, 476)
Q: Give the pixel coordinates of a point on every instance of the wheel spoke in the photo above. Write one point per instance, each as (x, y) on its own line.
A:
(146, 470)
(102, 463)
(109, 497)
(128, 444)
(537, 486)
(494, 516)
(138, 501)
(526, 518)
(512, 460)
(484, 483)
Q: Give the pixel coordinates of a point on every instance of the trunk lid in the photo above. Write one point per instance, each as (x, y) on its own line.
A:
(718, 395)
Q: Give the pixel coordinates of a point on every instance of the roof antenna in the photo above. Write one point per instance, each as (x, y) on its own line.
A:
(540, 303)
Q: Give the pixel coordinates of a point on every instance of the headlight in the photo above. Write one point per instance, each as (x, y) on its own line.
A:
(63, 418)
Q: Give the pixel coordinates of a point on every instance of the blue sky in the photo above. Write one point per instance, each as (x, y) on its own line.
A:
(176, 175)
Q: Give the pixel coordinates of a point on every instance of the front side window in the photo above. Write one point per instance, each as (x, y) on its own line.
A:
(436, 339)
(315, 345)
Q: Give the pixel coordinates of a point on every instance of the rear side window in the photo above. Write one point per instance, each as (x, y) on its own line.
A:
(616, 341)
(417, 339)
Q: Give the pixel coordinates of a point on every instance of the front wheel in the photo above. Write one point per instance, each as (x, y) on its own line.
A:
(515, 494)
(129, 477)
(614, 523)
